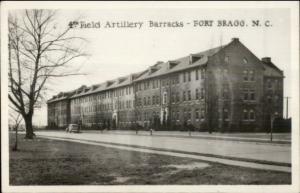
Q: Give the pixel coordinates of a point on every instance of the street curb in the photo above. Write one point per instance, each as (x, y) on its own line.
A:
(213, 138)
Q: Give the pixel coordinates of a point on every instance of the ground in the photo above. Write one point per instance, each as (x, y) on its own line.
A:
(50, 162)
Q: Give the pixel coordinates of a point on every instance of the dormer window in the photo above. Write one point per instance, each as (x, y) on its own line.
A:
(194, 58)
(172, 64)
(245, 60)
(121, 80)
(152, 69)
(109, 83)
(132, 77)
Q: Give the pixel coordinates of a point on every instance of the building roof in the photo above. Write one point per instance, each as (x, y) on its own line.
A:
(159, 69)
(179, 64)
(60, 96)
(119, 82)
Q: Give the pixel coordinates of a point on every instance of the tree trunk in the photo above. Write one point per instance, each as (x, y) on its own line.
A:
(16, 144)
(29, 128)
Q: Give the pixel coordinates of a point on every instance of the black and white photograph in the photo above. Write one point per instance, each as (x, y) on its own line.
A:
(150, 96)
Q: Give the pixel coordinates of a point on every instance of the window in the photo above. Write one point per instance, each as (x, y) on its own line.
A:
(197, 94)
(248, 75)
(189, 76)
(165, 98)
(183, 96)
(225, 114)
(245, 75)
(178, 115)
(245, 95)
(177, 97)
(184, 78)
(197, 114)
(189, 115)
(251, 115)
(202, 93)
(153, 100)
(145, 101)
(149, 100)
(251, 75)
(197, 74)
(148, 84)
(252, 95)
(173, 115)
(269, 84)
(276, 82)
(202, 74)
(225, 93)
(173, 98)
(202, 114)
(189, 95)
(245, 60)
(157, 100)
(249, 95)
(245, 114)
(276, 98)
(225, 72)
(177, 79)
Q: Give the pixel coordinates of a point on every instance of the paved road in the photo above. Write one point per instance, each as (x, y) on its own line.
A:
(280, 153)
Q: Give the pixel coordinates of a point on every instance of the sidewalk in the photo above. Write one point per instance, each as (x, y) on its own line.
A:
(278, 138)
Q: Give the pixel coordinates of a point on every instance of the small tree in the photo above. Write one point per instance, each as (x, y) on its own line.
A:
(16, 119)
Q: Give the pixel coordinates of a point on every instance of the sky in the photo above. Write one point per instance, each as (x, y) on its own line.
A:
(115, 52)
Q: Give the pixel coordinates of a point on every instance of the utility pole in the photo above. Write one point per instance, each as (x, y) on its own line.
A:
(287, 107)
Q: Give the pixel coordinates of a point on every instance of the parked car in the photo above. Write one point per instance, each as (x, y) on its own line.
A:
(73, 128)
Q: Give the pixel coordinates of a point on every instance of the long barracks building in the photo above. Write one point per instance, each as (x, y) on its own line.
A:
(225, 88)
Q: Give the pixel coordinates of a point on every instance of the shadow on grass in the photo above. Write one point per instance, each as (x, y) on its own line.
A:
(50, 162)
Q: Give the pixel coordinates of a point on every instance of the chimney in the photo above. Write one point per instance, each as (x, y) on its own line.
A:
(235, 39)
(131, 77)
(266, 60)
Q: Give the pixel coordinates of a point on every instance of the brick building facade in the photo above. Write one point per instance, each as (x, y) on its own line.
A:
(225, 88)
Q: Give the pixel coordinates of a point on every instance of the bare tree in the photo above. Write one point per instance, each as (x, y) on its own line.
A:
(39, 49)
(16, 119)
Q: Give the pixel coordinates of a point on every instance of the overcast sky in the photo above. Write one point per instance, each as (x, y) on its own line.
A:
(118, 52)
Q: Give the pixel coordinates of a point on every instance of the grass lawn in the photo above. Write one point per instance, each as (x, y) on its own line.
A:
(49, 162)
